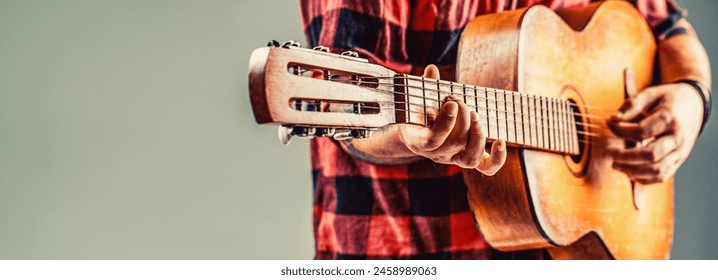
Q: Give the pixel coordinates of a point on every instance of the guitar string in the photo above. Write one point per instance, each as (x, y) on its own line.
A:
(551, 100)
(561, 126)
(355, 78)
(352, 80)
(528, 115)
(511, 93)
(497, 118)
(557, 129)
(541, 138)
(517, 123)
(494, 90)
(546, 101)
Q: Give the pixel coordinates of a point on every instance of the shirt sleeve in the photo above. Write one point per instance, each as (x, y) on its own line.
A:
(662, 16)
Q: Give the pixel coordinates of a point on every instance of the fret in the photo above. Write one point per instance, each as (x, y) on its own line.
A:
(572, 144)
(541, 119)
(423, 100)
(463, 91)
(554, 123)
(438, 95)
(400, 112)
(516, 123)
(549, 122)
(446, 90)
(523, 123)
(566, 129)
(576, 145)
(416, 110)
(407, 105)
(559, 120)
(532, 140)
(476, 100)
(539, 141)
(546, 121)
(565, 126)
(506, 115)
(488, 120)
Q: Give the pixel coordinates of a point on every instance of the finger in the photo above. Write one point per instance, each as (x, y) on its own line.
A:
(432, 72)
(491, 163)
(635, 106)
(653, 152)
(654, 171)
(459, 135)
(659, 122)
(647, 180)
(472, 154)
(437, 134)
(629, 83)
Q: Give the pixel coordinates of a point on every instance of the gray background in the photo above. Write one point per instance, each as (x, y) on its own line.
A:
(126, 133)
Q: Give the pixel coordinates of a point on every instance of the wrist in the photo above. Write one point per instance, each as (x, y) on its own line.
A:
(704, 93)
(384, 147)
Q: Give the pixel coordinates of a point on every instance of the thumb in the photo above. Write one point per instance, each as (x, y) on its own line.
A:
(431, 72)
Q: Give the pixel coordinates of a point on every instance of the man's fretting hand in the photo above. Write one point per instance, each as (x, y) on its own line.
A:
(455, 137)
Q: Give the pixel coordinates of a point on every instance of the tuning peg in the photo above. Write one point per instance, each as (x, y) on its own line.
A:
(285, 134)
(273, 43)
(343, 134)
(360, 133)
(291, 43)
(325, 132)
(351, 53)
(321, 49)
(304, 131)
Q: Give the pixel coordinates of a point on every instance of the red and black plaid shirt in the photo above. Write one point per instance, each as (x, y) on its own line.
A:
(418, 210)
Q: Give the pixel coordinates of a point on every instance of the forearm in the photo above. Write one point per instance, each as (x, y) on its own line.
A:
(684, 57)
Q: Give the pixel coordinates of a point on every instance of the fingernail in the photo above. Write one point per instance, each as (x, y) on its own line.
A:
(502, 146)
(453, 110)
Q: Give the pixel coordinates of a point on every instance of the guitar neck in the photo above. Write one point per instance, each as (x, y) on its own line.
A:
(308, 89)
(520, 119)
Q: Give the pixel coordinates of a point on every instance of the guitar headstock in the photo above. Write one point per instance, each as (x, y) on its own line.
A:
(313, 92)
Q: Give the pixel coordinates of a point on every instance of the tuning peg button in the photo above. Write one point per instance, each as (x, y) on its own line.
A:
(273, 43)
(351, 53)
(322, 49)
(291, 43)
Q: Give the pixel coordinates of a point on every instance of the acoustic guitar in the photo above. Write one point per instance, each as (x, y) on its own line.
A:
(545, 82)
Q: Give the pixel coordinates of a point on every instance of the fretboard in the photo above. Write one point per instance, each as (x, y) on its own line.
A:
(520, 119)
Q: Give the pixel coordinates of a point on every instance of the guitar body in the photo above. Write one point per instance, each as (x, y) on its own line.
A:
(576, 206)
